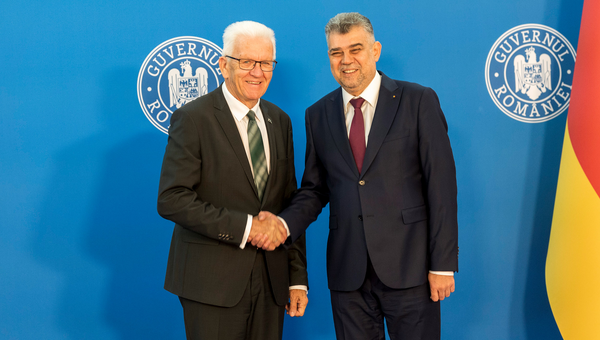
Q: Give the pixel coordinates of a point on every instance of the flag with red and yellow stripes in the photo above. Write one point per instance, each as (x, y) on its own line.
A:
(573, 262)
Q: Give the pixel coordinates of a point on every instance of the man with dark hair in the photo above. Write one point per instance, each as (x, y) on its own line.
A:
(377, 150)
(230, 155)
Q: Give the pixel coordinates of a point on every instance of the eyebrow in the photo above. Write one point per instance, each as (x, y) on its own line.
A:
(350, 47)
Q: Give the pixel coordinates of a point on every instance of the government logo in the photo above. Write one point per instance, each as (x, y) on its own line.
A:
(174, 73)
(529, 73)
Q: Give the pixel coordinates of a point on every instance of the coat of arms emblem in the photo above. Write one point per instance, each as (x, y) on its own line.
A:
(186, 87)
(533, 77)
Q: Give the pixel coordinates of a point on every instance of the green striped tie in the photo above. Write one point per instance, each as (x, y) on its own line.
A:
(257, 153)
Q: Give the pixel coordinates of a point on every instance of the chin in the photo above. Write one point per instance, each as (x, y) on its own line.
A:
(254, 94)
(349, 87)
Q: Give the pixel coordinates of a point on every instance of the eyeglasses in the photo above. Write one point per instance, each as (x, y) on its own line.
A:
(249, 64)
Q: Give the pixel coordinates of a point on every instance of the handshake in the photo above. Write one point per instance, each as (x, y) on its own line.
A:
(267, 231)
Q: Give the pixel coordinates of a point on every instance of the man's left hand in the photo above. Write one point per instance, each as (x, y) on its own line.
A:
(297, 304)
(441, 286)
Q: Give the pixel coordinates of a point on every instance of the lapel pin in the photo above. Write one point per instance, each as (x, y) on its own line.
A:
(394, 96)
(269, 120)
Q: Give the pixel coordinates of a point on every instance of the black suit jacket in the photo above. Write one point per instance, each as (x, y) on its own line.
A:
(401, 210)
(207, 189)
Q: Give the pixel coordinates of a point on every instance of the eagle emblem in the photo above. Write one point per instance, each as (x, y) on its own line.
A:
(185, 87)
(532, 77)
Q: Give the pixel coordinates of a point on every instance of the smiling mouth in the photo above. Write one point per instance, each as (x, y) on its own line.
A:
(253, 82)
(349, 71)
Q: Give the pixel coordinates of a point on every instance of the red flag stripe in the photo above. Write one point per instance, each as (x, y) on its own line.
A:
(584, 109)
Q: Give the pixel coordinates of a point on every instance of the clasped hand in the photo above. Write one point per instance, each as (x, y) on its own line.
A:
(267, 231)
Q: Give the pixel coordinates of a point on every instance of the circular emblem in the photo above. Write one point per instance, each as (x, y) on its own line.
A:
(529, 73)
(176, 72)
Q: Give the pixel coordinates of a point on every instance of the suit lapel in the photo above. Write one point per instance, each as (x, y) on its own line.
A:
(225, 118)
(337, 126)
(385, 112)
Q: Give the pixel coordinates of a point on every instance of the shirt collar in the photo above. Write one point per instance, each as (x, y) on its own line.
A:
(238, 109)
(370, 94)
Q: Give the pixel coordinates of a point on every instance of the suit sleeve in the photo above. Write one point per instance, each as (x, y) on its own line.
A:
(180, 176)
(439, 174)
(313, 194)
(297, 251)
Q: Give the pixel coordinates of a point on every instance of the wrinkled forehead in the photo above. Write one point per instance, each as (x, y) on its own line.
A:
(249, 47)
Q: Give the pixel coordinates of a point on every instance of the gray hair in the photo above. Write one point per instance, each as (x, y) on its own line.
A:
(249, 29)
(344, 22)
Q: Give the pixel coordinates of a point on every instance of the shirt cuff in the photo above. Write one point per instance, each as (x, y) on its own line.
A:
(302, 287)
(444, 273)
(285, 225)
(247, 232)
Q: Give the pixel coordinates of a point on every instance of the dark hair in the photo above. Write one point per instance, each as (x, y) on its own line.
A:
(344, 22)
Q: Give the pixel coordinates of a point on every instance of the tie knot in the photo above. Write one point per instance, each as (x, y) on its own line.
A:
(251, 115)
(357, 102)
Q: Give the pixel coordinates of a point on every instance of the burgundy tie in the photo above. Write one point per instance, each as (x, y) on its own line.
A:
(357, 133)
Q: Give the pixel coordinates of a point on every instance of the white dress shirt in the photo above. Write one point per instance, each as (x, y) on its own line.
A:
(370, 95)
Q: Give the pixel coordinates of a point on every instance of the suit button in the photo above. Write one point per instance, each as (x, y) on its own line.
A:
(360, 217)
(361, 182)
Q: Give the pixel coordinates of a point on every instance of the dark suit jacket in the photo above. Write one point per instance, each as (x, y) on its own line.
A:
(207, 189)
(401, 211)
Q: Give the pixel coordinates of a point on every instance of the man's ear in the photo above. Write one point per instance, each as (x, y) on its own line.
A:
(376, 50)
(223, 67)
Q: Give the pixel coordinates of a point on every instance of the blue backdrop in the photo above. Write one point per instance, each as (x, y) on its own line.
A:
(83, 251)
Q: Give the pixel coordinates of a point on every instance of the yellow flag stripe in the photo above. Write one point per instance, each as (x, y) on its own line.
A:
(572, 272)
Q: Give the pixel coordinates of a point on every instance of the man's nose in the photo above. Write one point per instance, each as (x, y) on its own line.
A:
(256, 70)
(347, 59)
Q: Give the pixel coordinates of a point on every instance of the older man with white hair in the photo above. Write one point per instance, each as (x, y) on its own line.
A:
(229, 156)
